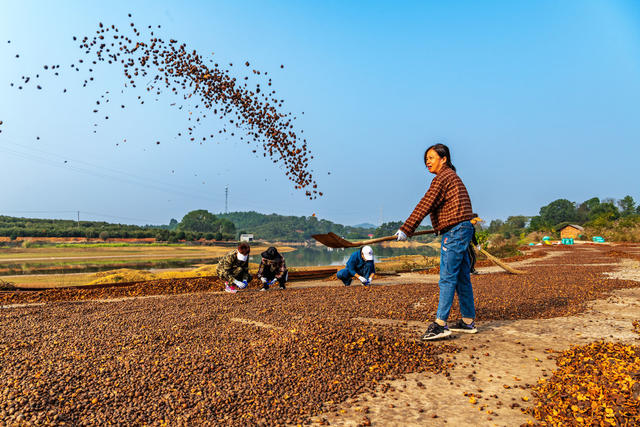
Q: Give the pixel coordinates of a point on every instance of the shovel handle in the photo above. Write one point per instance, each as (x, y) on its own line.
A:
(387, 238)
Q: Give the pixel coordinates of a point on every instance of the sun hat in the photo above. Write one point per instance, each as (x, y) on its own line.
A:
(271, 253)
(367, 253)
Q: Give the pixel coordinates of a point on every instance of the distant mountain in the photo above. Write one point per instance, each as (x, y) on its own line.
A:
(274, 227)
(365, 225)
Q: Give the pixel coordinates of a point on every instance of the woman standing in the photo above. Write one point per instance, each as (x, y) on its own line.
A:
(448, 203)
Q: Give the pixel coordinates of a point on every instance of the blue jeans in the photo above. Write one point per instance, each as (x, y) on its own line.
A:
(455, 266)
(346, 277)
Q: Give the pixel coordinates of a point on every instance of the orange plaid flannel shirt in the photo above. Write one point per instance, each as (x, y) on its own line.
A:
(447, 201)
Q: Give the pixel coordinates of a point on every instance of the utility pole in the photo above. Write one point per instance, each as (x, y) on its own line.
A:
(78, 219)
(226, 199)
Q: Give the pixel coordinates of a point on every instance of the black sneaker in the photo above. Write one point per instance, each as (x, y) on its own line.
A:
(281, 287)
(264, 288)
(460, 326)
(435, 332)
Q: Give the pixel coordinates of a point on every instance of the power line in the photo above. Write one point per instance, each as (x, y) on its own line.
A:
(118, 217)
(121, 176)
(95, 214)
(135, 180)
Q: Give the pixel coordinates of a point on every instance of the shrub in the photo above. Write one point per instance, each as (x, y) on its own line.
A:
(91, 234)
(505, 250)
(6, 286)
(162, 235)
(28, 244)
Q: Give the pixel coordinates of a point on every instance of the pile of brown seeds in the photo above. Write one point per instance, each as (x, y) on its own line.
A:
(553, 287)
(202, 86)
(192, 359)
(484, 262)
(622, 254)
(595, 384)
(154, 287)
(250, 358)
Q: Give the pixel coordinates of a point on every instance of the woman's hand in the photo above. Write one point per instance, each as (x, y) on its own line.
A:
(400, 235)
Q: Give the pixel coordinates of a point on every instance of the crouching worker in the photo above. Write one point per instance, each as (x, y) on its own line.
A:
(272, 269)
(234, 269)
(360, 265)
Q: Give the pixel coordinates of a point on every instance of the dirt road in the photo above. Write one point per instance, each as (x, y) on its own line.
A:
(487, 386)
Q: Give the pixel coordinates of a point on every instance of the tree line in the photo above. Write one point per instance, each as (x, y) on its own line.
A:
(196, 225)
(202, 224)
(590, 213)
(14, 227)
(274, 227)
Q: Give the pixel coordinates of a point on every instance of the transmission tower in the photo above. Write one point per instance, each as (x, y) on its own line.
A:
(226, 199)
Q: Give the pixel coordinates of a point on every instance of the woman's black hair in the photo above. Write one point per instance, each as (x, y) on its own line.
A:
(442, 151)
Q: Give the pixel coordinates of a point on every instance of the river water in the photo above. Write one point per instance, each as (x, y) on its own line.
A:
(301, 257)
(317, 256)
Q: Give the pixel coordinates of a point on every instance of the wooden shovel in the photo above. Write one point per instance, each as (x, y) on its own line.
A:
(332, 240)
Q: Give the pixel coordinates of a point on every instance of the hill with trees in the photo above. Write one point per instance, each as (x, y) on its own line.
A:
(274, 227)
(615, 220)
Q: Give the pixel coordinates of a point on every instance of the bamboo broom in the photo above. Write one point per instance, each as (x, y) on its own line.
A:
(494, 259)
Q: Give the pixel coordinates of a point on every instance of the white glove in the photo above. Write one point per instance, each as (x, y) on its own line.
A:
(400, 235)
(239, 284)
(363, 280)
(273, 282)
(263, 280)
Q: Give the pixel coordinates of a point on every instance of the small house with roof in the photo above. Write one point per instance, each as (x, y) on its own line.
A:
(571, 231)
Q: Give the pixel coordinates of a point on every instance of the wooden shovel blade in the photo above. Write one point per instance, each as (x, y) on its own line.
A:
(332, 240)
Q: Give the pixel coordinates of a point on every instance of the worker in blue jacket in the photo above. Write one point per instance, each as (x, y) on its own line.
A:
(360, 265)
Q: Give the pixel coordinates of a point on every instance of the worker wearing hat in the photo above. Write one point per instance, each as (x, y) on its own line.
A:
(272, 269)
(360, 265)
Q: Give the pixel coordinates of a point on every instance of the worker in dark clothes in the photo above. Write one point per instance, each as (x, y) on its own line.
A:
(272, 269)
(360, 265)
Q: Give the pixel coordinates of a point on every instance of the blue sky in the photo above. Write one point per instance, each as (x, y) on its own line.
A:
(537, 101)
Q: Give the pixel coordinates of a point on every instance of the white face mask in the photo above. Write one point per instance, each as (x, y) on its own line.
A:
(242, 258)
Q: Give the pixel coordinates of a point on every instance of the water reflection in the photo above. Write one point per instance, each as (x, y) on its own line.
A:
(306, 257)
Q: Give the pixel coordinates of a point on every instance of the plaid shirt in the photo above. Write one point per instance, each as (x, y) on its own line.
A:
(446, 200)
(272, 268)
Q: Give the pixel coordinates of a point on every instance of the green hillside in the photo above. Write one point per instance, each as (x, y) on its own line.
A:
(289, 228)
